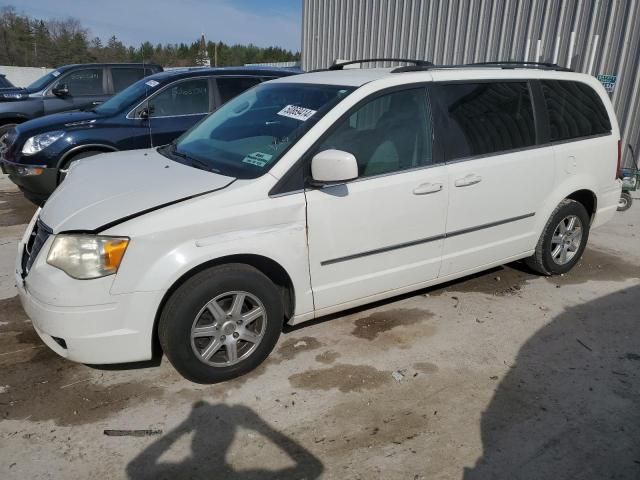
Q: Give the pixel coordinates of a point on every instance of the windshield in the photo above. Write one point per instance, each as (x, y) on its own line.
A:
(133, 93)
(4, 83)
(249, 134)
(44, 81)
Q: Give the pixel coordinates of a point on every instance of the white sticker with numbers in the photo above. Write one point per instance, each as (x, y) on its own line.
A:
(258, 159)
(298, 113)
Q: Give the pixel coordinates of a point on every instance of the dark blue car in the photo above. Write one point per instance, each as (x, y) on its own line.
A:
(149, 113)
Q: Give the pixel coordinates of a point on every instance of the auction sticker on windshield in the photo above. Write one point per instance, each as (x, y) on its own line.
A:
(297, 113)
(152, 83)
(258, 159)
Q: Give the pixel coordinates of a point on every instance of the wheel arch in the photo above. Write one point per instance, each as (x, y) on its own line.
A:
(89, 147)
(588, 199)
(269, 267)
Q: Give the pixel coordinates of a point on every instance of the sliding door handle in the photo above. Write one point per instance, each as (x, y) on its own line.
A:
(427, 188)
(470, 179)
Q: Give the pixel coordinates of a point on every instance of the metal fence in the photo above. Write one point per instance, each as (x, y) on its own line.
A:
(599, 37)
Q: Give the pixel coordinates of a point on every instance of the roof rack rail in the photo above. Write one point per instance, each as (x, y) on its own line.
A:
(417, 63)
(504, 65)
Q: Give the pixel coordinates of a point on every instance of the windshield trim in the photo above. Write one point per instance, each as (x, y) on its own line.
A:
(350, 88)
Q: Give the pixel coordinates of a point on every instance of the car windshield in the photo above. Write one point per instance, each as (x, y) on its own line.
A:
(133, 93)
(44, 81)
(249, 134)
(4, 83)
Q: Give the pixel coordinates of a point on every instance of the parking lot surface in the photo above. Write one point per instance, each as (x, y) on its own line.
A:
(502, 375)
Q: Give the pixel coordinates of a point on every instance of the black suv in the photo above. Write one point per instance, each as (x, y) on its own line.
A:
(72, 87)
(151, 112)
(5, 83)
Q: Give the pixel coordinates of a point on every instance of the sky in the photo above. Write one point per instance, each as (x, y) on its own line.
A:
(261, 22)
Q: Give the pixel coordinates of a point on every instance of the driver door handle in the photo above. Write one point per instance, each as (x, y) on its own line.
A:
(470, 179)
(425, 188)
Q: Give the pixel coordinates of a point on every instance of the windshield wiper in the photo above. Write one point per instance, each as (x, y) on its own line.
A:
(192, 162)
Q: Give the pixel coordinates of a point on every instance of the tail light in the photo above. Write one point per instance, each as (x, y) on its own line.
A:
(619, 166)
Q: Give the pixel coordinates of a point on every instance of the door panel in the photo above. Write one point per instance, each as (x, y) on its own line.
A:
(498, 179)
(384, 231)
(375, 235)
(86, 86)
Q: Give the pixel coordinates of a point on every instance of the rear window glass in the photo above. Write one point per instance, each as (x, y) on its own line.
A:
(482, 118)
(575, 110)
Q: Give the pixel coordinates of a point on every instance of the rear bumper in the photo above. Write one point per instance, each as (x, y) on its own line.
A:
(607, 204)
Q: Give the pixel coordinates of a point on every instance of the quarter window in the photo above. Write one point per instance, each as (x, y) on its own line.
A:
(483, 118)
(190, 97)
(87, 81)
(575, 110)
(388, 134)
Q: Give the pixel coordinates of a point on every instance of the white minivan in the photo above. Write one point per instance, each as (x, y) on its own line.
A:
(312, 194)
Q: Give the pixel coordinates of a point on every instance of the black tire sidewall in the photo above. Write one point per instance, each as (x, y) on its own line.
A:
(569, 208)
(629, 200)
(181, 309)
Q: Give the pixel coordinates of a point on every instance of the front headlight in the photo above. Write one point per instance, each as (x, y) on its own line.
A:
(87, 256)
(40, 142)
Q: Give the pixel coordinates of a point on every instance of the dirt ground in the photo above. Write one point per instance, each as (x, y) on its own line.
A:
(504, 375)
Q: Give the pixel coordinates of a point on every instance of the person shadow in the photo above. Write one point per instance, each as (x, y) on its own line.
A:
(569, 408)
(214, 428)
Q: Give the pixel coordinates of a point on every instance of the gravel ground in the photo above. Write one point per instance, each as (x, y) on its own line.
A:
(502, 375)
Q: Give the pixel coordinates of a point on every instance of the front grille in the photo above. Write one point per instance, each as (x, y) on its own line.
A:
(37, 239)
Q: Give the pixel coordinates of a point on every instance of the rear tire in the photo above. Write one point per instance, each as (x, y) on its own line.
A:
(563, 239)
(625, 201)
(206, 328)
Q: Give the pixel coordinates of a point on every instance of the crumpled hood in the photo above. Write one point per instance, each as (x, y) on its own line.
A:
(106, 188)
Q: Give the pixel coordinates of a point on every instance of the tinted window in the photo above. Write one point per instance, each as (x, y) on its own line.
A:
(575, 110)
(483, 118)
(183, 98)
(230, 87)
(84, 82)
(4, 83)
(123, 77)
(390, 133)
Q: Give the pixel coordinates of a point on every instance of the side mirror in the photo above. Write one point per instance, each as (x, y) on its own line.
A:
(60, 90)
(333, 167)
(145, 112)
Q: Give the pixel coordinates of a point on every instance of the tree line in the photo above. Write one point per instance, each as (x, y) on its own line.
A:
(30, 42)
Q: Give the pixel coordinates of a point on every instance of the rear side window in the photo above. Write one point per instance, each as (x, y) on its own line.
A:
(123, 77)
(230, 87)
(388, 134)
(575, 110)
(87, 81)
(190, 97)
(483, 118)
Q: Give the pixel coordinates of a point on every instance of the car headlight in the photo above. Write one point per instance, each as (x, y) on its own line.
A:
(87, 256)
(39, 142)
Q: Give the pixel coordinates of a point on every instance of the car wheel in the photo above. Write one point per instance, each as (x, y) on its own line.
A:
(221, 323)
(563, 239)
(625, 201)
(67, 164)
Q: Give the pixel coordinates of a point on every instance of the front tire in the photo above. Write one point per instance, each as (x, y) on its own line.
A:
(563, 239)
(625, 201)
(221, 323)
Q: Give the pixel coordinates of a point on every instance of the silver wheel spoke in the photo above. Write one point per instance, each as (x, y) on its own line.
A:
(556, 239)
(212, 348)
(238, 302)
(216, 311)
(249, 317)
(571, 224)
(556, 251)
(563, 255)
(248, 336)
(204, 331)
(232, 351)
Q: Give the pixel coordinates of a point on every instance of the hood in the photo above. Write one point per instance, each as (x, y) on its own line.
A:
(102, 190)
(57, 121)
(12, 94)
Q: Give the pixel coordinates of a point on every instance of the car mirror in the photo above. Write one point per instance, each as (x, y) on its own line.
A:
(145, 112)
(332, 167)
(60, 90)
